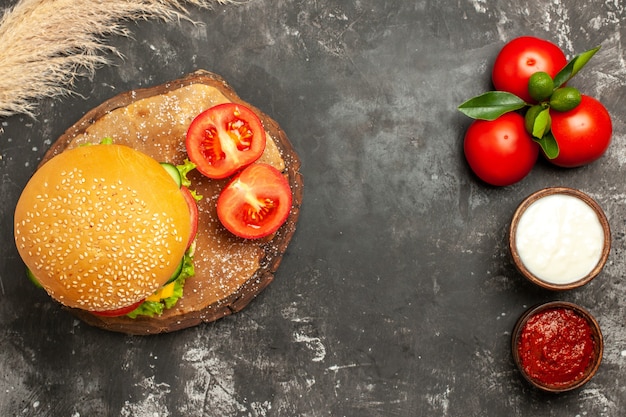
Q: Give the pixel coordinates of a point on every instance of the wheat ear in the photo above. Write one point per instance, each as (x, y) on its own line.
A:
(46, 44)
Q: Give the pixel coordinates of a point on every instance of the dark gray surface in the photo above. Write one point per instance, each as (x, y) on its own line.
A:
(396, 296)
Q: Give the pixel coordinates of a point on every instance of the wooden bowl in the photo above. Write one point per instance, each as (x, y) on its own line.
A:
(595, 355)
(534, 277)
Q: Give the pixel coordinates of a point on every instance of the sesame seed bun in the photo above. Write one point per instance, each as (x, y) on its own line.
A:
(101, 227)
(229, 271)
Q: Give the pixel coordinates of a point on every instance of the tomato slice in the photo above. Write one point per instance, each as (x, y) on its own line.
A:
(255, 203)
(193, 212)
(119, 311)
(225, 138)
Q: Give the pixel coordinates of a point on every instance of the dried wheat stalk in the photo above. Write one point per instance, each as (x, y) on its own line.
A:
(46, 44)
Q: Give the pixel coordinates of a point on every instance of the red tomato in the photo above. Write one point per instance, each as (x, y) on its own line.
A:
(119, 311)
(225, 138)
(583, 134)
(500, 152)
(255, 203)
(521, 58)
(193, 212)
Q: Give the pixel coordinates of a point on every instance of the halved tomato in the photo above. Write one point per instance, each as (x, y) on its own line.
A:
(118, 311)
(225, 138)
(193, 212)
(255, 203)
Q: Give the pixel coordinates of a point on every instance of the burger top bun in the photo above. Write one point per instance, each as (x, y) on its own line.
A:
(101, 226)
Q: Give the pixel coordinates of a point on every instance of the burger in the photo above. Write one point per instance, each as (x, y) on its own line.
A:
(136, 222)
(102, 228)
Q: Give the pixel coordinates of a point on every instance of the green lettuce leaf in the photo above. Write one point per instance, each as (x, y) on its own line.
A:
(32, 278)
(156, 308)
(185, 169)
(105, 141)
(147, 308)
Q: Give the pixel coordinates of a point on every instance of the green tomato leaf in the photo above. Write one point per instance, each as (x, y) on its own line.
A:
(549, 145)
(572, 68)
(491, 105)
(542, 123)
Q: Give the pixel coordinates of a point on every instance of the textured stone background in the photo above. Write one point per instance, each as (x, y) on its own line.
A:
(397, 296)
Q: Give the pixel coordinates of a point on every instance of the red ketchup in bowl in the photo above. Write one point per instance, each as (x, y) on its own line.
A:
(556, 347)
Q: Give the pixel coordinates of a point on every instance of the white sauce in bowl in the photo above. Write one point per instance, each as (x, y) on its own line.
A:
(559, 239)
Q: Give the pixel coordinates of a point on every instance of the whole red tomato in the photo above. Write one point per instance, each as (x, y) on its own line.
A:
(583, 134)
(500, 152)
(521, 58)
